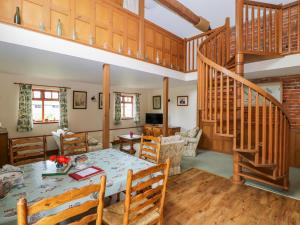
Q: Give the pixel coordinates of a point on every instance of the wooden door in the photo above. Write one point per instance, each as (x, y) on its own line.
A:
(103, 22)
(118, 31)
(132, 36)
(149, 44)
(60, 10)
(83, 20)
(33, 14)
(158, 47)
(7, 10)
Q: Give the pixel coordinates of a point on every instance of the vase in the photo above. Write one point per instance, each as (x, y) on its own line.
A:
(59, 28)
(59, 165)
(17, 17)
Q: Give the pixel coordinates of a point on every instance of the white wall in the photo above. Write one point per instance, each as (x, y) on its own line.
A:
(79, 119)
(183, 116)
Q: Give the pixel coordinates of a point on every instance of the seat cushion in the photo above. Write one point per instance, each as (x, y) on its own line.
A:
(193, 132)
(113, 215)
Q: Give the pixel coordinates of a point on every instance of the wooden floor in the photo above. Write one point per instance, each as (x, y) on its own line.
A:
(200, 198)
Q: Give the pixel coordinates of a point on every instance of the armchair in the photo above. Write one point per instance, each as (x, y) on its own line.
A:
(191, 140)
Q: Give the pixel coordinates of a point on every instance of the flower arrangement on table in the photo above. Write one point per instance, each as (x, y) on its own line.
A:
(60, 160)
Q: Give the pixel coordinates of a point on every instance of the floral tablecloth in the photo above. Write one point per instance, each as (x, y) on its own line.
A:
(35, 187)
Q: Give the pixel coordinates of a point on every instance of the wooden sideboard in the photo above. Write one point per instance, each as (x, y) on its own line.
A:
(157, 130)
(102, 24)
(3, 147)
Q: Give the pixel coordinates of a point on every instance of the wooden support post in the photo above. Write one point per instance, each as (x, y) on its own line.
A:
(165, 106)
(142, 28)
(105, 115)
(239, 59)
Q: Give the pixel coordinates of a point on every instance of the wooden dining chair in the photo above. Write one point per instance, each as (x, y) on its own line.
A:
(144, 198)
(72, 144)
(27, 150)
(24, 211)
(150, 148)
(157, 131)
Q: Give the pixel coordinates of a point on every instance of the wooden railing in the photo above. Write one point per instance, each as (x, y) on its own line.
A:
(261, 27)
(240, 109)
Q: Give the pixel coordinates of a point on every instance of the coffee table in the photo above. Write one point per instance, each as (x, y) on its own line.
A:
(127, 139)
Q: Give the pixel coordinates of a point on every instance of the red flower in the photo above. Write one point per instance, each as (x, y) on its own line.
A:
(60, 159)
(53, 157)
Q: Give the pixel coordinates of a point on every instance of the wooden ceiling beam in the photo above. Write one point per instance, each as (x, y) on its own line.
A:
(187, 14)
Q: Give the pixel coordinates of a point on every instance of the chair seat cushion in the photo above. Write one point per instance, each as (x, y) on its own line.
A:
(113, 215)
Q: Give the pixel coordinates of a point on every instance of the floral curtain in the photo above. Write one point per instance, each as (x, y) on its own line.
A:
(25, 123)
(63, 108)
(137, 117)
(118, 108)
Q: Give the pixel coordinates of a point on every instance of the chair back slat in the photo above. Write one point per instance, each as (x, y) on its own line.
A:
(27, 150)
(53, 202)
(72, 144)
(145, 194)
(150, 148)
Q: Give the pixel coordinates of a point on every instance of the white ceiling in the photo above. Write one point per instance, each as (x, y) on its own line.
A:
(214, 10)
(30, 62)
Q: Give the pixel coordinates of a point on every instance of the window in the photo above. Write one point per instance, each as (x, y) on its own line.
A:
(45, 106)
(126, 107)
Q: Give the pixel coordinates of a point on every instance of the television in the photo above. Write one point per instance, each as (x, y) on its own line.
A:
(154, 118)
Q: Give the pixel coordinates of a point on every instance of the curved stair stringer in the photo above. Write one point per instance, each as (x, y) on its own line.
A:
(259, 127)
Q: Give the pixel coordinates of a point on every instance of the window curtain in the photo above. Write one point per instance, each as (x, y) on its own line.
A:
(63, 108)
(118, 108)
(25, 123)
(137, 117)
(131, 5)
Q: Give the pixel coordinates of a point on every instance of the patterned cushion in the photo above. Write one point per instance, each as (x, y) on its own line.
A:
(193, 132)
(92, 141)
(170, 139)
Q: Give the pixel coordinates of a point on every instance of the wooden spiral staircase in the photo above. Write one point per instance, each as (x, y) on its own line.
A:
(238, 108)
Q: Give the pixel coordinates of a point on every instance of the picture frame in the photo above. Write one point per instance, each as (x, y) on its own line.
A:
(156, 102)
(79, 100)
(182, 100)
(100, 100)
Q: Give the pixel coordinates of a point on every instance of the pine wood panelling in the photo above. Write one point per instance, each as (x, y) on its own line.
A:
(32, 13)
(7, 9)
(103, 24)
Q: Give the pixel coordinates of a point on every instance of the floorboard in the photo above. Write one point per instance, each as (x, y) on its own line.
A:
(199, 198)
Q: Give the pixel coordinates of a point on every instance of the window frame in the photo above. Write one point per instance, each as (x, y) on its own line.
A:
(123, 103)
(43, 99)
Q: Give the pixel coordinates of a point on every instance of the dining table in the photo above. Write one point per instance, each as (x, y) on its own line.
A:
(36, 187)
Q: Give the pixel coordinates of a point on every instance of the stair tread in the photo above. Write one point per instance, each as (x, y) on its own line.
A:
(251, 159)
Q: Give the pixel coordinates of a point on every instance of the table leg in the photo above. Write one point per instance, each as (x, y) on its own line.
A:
(132, 151)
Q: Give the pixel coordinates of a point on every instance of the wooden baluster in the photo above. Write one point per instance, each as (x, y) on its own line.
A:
(193, 62)
(206, 92)
(228, 36)
(249, 118)
(253, 26)
(265, 29)
(280, 143)
(234, 115)
(270, 29)
(242, 117)
(284, 150)
(264, 132)
(257, 125)
(217, 53)
(221, 103)
(298, 33)
(216, 101)
(247, 24)
(270, 155)
(227, 108)
(258, 28)
(210, 94)
(289, 31)
(276, 141)
(279, 35)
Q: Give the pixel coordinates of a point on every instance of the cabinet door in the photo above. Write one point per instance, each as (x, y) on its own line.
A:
(60, 10)
(149, 44)
(181, 57)
(82, 25)
(103, 26)
(166, 59)
(32, 13)
(149, 53)
(118, 43)
(132, 36)
(7, 10)
(158, 48)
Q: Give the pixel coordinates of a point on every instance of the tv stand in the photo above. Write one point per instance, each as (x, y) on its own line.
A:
(157, 130)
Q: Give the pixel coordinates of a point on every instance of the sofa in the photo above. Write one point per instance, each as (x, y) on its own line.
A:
(191, 140)
(172, 147)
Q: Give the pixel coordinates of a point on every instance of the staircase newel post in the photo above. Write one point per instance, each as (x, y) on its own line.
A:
(239, 60)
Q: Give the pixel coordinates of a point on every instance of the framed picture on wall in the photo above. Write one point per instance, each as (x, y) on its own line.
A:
(182, 100)
(157, 102)
(79, 100)
(100, 100)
